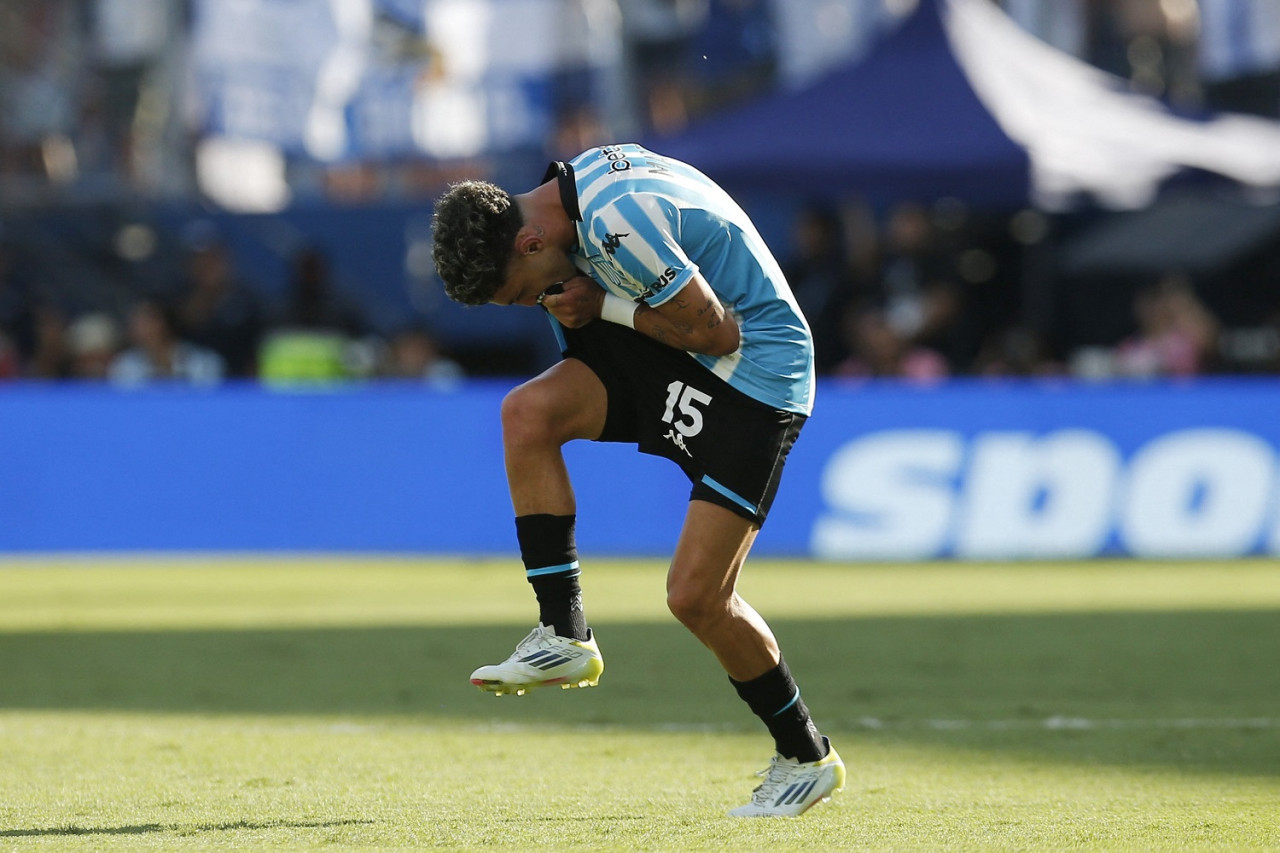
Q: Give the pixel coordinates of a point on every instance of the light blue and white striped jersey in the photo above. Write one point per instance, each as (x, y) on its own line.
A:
(646, 224)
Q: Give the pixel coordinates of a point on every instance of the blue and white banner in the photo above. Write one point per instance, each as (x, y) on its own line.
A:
(340, 79)
(258, 67)
(882, 472)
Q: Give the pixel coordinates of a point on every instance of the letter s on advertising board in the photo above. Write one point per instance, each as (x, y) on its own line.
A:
(892, 496)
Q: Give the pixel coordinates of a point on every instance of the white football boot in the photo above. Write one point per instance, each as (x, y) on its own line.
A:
(542, 659)
(791, 788)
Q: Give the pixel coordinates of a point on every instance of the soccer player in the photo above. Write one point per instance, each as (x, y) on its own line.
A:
(681, 336)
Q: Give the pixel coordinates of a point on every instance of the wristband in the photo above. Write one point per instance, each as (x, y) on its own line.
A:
(618, 310)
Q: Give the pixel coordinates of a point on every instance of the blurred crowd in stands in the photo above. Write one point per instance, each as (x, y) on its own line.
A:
(212, 325)
(91, 108)
(939, 292)
(921, 293)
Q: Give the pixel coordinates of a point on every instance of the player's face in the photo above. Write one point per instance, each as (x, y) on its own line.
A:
(528, 275)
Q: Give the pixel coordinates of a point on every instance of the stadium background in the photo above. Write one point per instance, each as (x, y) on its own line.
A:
(1001, 378)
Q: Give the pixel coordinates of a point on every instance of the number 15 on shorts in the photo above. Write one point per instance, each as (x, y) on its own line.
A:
(683, 412)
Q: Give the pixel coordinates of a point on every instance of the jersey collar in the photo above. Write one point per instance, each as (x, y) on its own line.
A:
(563, 173)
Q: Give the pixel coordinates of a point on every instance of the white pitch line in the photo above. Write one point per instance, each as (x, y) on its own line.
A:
(1050, 724)
(1075, 724)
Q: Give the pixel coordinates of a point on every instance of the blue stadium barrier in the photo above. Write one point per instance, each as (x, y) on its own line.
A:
(967, 469)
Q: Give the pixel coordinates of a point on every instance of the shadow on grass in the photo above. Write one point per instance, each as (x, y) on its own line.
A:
(959, 681)
(181, 829)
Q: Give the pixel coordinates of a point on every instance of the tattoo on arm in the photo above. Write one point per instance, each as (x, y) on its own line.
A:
(683, 331)
(709, 308)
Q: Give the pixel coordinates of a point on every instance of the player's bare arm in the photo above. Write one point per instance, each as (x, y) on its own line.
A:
(693, 320)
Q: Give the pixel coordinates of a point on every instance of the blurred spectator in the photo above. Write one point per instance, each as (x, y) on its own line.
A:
(1016, 351)
(658, 36)
(17, 320)
(314, 301)
(919, 291)
(128, 37)
(1239, 55)
(215, 308)
(1151, 43)
(818, 271)
(878, 351)
(318, 334)
(93, 341)
(87, 91)
(38, 71)
(414, 354)
(158, 354)
(1176, 336)
(10, 364)
(51, 357)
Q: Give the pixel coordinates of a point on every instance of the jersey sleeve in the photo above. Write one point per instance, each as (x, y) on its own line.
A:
(638, 236)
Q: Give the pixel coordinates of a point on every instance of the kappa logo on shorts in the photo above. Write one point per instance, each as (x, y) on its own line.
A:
(678, 440)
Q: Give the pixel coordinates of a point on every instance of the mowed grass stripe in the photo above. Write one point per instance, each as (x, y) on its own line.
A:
(179, 591)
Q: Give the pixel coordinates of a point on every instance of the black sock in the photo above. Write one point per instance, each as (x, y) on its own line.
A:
(775, 699)
(551, 564)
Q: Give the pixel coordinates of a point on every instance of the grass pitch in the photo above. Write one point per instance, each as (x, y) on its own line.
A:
(181, 704)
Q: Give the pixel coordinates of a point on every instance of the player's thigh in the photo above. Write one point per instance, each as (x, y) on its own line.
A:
(565, 401)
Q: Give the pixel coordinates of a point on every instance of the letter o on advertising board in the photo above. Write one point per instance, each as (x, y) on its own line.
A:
(1029, 496)
(1197, 492)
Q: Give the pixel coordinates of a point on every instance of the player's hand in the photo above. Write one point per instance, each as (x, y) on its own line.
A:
(576, 304)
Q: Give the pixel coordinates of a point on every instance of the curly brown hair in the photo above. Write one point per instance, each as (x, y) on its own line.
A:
(474, 228)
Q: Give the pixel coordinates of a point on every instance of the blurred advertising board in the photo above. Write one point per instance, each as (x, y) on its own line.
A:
(982, 472)
(962, 470)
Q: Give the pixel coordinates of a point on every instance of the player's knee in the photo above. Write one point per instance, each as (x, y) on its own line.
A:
(693, 607)
(526, 417)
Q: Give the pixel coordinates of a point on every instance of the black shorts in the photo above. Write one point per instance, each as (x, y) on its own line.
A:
(731, 446)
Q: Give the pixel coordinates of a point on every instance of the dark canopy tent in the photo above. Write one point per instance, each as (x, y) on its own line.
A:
(960, 101)
(1193, 234)
(903, 122)
(1229, 248)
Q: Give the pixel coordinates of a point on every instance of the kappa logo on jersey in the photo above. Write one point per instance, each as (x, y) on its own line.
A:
(613, 241)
